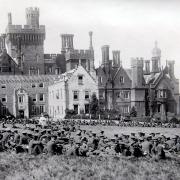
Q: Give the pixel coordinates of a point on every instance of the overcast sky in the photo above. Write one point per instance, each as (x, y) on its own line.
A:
(130, 26)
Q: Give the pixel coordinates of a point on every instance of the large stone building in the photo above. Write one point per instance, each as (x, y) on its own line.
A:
(72, 90)
(25, 46)
(149, 91)
(24, 96)
(24, 64)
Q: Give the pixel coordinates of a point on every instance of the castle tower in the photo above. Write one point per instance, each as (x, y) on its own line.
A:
(105, 55)
(116, 59)
(156, 57)
(32, 17)
(67, 42)
(26, 44)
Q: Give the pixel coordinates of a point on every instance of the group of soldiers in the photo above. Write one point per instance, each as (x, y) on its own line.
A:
(68, 138)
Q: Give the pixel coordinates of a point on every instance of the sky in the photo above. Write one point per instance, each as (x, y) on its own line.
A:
(131, 26)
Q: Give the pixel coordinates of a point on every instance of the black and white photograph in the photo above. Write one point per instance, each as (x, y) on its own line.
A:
(89, 90)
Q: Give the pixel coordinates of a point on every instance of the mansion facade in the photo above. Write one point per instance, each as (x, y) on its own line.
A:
(32, 82)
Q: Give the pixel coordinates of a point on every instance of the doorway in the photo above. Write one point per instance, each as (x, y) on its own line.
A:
(21, 113)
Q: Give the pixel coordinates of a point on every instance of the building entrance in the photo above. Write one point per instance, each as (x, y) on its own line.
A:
(21, 113)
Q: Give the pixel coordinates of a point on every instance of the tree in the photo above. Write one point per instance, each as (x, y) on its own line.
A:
(133, 112)
(94, 104)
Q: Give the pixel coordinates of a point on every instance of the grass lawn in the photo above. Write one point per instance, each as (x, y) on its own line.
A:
(23, 166)
(27, 167)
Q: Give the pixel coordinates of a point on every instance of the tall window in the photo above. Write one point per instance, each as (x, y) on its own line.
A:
(100, 80)
(121, 79)
(4, 110)
(41, 109)
(21, 98)
(86, 94)
(57, 94)
(80, 79)
(33, 110)
(41, 97)
(76, 108)
(76, 94)
(86, 108)
(126, 94)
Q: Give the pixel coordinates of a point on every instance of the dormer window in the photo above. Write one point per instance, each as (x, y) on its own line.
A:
(121, 79)
(162, 93)
(80, 79)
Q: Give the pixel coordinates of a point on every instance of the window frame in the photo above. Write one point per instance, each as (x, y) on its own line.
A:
(42, 96)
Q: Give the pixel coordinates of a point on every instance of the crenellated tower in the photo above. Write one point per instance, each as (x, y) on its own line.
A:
(26, 44)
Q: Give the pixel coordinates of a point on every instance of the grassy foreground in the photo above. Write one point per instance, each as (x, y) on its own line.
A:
(23, 166)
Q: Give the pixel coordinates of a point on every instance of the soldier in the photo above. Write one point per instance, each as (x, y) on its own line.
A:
(51, 145)
(35, 146)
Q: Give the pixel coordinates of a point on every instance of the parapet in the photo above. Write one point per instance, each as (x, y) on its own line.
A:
(26, 29)
(78, 54)
(32, 10)
(137, 62)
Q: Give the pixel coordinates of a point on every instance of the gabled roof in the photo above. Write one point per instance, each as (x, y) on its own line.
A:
(67, 75)
(129, 73)
(26, 78)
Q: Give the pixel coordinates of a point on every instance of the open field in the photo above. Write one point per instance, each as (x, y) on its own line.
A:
(27, 167)
(23, 166)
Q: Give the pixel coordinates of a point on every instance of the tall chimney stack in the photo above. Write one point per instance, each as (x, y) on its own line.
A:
(116, 58)
(147, 67)
(105, 54)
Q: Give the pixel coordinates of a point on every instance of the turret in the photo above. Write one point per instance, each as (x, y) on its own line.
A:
(116, 59)
(156, 57)
(67, 42)
(137, 72)
(9, 19)
(32, 17)
(105, 55)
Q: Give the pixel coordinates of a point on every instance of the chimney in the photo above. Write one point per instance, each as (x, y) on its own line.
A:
(171, 68)
(105, 55)
(147, 67)
(137, 72)
(90, 37)
(9, 19)
(116, 58)
(67, 42)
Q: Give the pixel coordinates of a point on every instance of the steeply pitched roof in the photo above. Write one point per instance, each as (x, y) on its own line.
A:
(129, 73)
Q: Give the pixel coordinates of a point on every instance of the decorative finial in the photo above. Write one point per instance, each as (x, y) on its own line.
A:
(156, 43)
